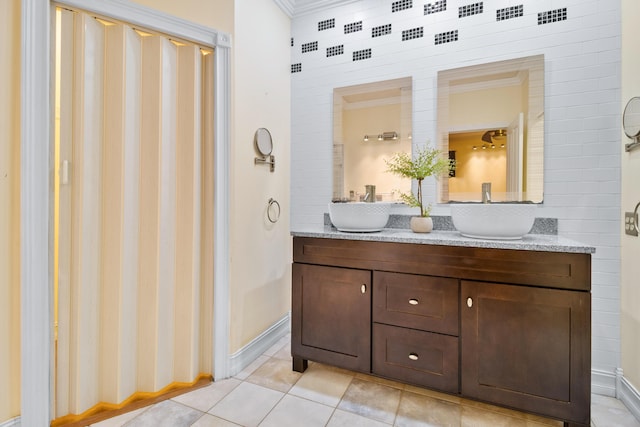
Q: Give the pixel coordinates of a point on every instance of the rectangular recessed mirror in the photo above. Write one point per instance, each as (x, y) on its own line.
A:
(371, 122)
(491, 119)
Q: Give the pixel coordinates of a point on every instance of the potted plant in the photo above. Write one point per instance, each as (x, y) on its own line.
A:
(427, 162)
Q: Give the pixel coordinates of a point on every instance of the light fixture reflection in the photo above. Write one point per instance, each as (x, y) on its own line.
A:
(384, 136)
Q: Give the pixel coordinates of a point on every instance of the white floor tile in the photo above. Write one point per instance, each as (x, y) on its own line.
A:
(205, 398)
(342, 418)
(293, 411)
(247, 404)
(166, 414)
(244, 374)
(322, 385)
(208, 420)
(608, 411)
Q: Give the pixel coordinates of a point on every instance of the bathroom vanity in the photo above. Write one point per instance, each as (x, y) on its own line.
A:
(507, 323)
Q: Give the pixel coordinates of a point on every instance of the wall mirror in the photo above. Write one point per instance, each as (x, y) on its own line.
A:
(631, 123)
(263, 144)
(371, 122)
(491, 120)
(262, 141)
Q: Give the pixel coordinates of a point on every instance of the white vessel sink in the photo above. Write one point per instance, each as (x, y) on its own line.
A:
(359, 216)
(508, 221)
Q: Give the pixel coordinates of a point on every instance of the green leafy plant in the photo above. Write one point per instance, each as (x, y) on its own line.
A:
(427, 162)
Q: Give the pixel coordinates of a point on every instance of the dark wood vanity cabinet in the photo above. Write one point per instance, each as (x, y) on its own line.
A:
(509, 327)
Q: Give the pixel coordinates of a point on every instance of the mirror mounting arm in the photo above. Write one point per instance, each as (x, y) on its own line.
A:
(267, 160)
(632, 145)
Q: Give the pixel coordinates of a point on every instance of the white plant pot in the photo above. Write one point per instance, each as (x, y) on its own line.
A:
(420, 224)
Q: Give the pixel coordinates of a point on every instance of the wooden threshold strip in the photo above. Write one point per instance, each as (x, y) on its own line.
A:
(138, 400)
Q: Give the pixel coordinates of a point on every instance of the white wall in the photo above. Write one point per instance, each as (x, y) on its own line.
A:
(216, 14)
(260, 251)
(582, 116)
(630, 307)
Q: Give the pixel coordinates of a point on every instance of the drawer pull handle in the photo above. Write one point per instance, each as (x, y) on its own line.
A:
(413, 356)
(413, 301)
(469, 302)
(363, 289)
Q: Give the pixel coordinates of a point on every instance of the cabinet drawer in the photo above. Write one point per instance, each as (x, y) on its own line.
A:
(418, 302)
(417, 357)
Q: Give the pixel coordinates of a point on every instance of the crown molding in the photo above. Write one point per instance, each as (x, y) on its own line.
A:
(287, 6)
(304, 7)
(295, 8)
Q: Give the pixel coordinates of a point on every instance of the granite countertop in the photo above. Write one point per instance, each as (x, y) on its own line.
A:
(530, 242)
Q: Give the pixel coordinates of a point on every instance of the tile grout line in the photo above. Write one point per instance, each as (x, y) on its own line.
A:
(283, 394)
(339, 401)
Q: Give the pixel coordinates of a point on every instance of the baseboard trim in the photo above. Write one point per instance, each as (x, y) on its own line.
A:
(630, 396)
(603, 383)
(617, 386)
(250, 352)
(14, 422)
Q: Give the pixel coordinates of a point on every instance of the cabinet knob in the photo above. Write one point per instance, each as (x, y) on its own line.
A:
(469, 302)
(413, 301)
(413, 356)
(363, 289)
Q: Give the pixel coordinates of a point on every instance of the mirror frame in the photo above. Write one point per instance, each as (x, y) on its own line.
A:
(631, 118)
(447, 79)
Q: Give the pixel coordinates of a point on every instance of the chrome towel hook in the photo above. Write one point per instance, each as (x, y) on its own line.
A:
(273, 210)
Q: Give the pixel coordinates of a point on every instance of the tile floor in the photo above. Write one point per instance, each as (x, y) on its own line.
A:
(269, 394)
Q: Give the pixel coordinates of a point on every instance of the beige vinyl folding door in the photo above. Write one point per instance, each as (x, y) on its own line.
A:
(133, 216)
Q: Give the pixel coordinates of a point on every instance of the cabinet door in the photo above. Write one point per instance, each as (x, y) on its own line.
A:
(528, 348)
(331, 316)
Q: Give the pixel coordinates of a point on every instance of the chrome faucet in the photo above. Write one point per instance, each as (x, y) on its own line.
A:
(370, 195)
(486, 192)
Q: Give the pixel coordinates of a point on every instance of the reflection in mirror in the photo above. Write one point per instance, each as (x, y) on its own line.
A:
(262, 141)
(371, 122)
(631, 123)
(491, 120)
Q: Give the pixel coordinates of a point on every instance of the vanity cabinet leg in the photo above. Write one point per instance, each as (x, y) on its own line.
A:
(571, 424)
(300, 364)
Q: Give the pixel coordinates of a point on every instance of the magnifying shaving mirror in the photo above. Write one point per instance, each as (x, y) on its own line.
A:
(264, 146)
(631, 123)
